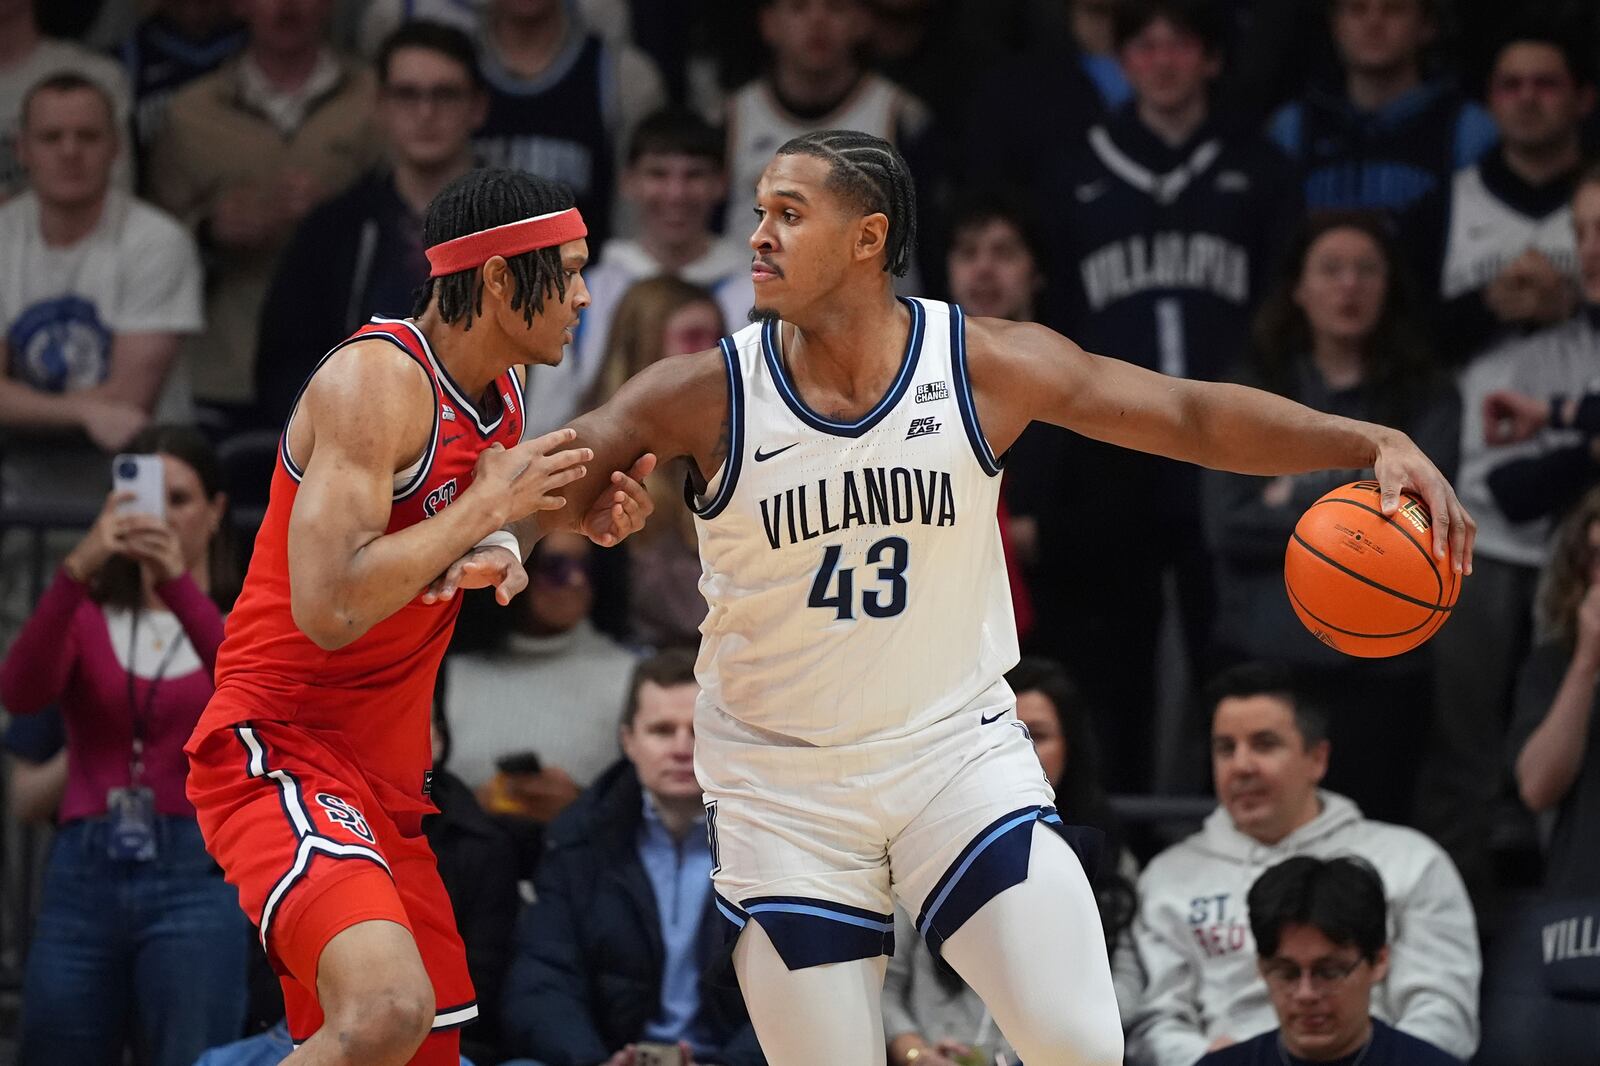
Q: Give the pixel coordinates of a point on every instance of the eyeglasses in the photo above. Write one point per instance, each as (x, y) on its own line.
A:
(559, 569)
(440, 96)
(1325, 974)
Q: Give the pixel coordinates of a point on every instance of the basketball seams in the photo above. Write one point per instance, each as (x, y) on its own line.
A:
(1427, 555)
(1436, 614)
(1327, 563)
(1365, 580)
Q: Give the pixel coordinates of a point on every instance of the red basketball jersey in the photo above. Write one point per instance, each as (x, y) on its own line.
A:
(374, 695)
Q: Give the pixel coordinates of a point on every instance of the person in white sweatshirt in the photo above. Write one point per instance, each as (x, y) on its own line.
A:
(674, 179)
(1202, 989)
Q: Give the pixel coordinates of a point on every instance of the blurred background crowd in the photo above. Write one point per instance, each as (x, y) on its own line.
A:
(1386, 209)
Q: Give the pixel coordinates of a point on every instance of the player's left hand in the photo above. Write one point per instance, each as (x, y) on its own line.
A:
(484, 567)
(1401, 466)
(623, 507)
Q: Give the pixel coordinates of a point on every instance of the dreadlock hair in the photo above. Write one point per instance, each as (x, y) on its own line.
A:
(869, 172)
(480, 200)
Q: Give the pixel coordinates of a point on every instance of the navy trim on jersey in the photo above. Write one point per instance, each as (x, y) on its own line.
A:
(446, 382)
(964, 401)
(791, 396)
(454, 1017)
(298, 815)
(812, 932)
(994, 860)
(416, 480)
(735, 459)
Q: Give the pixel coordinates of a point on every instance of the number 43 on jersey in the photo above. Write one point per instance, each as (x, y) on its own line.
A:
(834, 586)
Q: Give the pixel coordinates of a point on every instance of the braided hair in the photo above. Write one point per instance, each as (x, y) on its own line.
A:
(869, 172)
(479, 200)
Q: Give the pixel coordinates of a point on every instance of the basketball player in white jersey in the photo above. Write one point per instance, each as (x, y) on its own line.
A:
(855, 739)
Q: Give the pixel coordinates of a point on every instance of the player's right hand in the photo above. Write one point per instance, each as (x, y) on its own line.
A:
(524, 479)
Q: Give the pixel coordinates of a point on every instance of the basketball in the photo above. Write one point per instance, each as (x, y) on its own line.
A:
(1365, 583)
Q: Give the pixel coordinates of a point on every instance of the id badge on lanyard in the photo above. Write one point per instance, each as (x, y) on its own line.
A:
(131, 811)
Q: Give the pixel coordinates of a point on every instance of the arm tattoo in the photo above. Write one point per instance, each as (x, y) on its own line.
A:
(724, 437)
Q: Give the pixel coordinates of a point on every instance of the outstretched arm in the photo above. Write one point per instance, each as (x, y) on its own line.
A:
(364, 416)
(667, 410)
(676, 407)
(1022, 372)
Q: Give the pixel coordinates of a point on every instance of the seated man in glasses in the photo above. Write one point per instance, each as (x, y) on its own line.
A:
(1269, 754)
(1320, 928)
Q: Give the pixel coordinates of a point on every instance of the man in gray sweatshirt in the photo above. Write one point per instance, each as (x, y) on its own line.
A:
(1193, 937)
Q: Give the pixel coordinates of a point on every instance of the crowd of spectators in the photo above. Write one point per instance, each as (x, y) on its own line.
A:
(1388, 209)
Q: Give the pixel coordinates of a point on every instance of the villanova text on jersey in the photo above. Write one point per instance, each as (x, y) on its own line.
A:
(853, 570)
(1204, 262)
(872, 496)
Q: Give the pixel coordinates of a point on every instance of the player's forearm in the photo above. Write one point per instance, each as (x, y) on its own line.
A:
(1250, 431)
(614, 449)
(386, 572)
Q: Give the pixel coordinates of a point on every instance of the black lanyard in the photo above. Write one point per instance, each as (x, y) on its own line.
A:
(138, 714)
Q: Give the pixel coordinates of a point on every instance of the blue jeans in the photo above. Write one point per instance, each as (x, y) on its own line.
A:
(154, 948)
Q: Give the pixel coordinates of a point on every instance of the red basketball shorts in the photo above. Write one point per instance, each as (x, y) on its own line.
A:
(300, 832)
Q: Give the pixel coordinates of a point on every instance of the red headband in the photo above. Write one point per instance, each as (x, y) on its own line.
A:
(513, 238)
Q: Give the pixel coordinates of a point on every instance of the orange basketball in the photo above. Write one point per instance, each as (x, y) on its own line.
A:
(1364, 583)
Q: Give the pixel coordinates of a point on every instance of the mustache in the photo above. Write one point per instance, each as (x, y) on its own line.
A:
(768, 263)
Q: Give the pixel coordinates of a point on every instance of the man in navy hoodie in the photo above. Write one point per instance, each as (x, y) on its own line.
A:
(1388, 136)
(1165, 226)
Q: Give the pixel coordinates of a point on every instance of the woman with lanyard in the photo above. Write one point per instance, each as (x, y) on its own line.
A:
(139, 937)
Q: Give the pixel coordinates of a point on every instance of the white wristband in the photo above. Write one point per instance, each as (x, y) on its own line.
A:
(501, 538)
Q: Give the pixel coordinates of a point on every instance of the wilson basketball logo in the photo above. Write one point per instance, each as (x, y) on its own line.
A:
(341, 813)
(439, 498)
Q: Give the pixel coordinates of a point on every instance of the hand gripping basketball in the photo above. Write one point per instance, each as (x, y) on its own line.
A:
(1365, 582)
(1401, 467)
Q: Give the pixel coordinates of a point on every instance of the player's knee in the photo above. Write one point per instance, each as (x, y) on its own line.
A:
(1069, 1041)
(385, 1024)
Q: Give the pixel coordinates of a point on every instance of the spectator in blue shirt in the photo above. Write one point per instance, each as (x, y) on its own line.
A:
(614, 951)
(1320, 927)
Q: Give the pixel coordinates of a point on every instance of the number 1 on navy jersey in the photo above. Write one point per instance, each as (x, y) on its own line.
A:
(893, 552)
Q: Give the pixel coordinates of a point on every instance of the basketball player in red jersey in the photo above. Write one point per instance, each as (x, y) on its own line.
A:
(309, 769)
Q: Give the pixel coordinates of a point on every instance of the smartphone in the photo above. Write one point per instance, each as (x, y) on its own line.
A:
(144, 476)
(657, 1055)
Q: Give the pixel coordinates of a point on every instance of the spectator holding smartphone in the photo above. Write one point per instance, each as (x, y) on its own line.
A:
(139, 938)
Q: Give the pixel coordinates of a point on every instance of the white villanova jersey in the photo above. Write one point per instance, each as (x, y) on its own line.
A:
(854, 572)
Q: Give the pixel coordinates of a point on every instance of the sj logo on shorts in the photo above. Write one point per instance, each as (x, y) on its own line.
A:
(341, 813)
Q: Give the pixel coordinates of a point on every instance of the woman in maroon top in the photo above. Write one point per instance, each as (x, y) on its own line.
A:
(139, 937)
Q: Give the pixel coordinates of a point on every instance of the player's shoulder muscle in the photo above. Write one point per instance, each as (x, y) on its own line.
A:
(368, 403)
(1020, 372)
